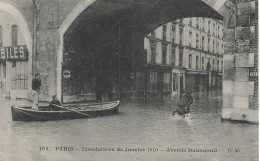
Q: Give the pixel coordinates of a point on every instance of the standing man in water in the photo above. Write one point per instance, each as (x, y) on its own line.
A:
(184, 104)
(36, 86)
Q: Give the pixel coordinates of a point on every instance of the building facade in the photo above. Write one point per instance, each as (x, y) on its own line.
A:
(188, 54)
(14, 65)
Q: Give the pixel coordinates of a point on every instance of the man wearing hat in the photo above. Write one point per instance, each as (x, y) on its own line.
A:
(184, 104)
(36, 86)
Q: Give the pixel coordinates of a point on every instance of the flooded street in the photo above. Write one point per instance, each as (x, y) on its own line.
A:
(137, 126)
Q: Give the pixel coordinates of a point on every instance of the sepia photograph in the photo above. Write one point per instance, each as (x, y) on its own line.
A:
(129, 80)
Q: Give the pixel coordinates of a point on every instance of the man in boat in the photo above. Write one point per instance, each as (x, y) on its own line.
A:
(184, 104)
(55, 104)
(36, 86)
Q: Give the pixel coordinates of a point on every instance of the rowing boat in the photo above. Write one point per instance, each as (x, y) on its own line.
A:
(68, 111)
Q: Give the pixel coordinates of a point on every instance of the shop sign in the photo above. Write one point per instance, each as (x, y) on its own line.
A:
(14, 53)
(66, 74)
(253, 74)
(132, 75)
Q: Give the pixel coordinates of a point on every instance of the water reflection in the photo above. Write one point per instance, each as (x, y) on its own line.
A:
(137, 125)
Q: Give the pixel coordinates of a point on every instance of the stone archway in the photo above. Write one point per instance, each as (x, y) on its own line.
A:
(215, 9)
(210, 10)
(76, 11)
(17, 15)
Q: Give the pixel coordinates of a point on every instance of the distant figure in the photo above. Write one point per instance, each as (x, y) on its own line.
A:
(36, 86)
(54, 102)
(184, 104)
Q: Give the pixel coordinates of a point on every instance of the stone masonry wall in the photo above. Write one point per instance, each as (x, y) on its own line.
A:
(47, 43)
(246, 49)
(253, 99)
(240, 82)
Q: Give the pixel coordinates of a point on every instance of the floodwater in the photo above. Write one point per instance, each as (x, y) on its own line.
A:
(148, 131)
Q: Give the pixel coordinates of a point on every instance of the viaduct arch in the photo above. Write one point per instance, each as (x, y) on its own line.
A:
(240, 64)
(182, 9)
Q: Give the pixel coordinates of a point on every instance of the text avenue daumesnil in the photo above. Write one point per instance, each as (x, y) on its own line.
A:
(126, 149)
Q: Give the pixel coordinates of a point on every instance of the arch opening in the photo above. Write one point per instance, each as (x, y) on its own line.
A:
(119, 30)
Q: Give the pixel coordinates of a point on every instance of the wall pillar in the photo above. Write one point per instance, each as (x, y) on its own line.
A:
(240, 67)
(45, 59)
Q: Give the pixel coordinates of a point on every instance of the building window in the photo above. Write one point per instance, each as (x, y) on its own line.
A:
(173, 56)
(222, 49)
(153, 82)
(209, 27)
(14, 35)
(197, 62)
(152, 34)
(190, 21)
(203, 24)
(217, 48)
(214, 28)
(208, 44)
(208, 64)
(180, 57)
(174, 77)
(166, 82)
(203, 43)
(1, 36)
(173, 33)
(218, 32)
(213, 46)
(222, 33)
(13, 64)
(164, 55)
(213, 64)
(190, 61)
(164, 32)
(153, 55)
(181, 20)
(197, 41)
(202, 63)
(217, 64)
(19, 75)
(190, 38)
(181, 36)
(197, 22)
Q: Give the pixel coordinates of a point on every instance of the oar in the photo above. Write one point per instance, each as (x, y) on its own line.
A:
(73, 110)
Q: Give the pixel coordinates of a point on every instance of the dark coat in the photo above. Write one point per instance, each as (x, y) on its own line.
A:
(185, 101)
(36, 84)
(52, 106)
(184, 104)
